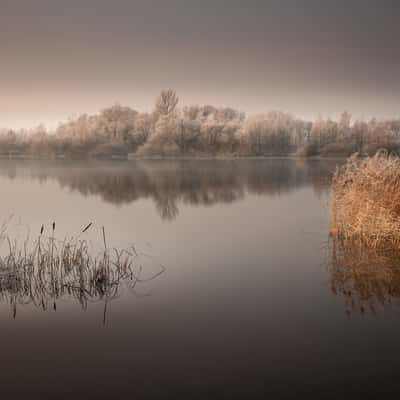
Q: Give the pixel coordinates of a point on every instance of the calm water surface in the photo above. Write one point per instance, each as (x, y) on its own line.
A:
(249, 305)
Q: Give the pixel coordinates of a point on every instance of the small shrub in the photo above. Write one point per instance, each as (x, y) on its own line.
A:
(108, 150)
(308, 150)
(372, 148)
(339, 149)
(158, 150)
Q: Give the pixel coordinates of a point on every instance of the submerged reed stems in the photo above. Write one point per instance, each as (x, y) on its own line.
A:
(46, 270)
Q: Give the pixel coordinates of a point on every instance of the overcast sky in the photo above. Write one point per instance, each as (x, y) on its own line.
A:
(59, 58)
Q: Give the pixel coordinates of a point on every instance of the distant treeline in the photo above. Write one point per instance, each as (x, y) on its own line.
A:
(195, 130)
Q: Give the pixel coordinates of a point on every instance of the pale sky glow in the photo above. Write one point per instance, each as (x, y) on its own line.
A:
(307, 57)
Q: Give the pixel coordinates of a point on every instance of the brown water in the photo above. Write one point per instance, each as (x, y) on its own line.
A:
(249, 305)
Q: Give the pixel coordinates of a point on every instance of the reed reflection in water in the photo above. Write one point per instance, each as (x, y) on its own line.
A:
(367, 279)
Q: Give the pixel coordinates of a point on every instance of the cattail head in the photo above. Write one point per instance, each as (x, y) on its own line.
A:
(87, 227)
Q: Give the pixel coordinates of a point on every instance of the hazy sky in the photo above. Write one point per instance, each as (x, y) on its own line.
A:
(59, 58)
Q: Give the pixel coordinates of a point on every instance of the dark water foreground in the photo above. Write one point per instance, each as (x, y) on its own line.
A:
(254, 302)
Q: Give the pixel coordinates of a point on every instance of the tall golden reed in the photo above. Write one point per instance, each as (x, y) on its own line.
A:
(365, 202)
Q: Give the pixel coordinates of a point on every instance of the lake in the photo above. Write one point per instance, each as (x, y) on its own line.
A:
(252, 302)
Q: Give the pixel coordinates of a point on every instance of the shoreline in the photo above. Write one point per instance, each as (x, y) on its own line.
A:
(169, 158)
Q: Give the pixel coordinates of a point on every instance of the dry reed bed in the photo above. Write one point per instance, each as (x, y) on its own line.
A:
(365, 232)
(46, 270)
(365, 205)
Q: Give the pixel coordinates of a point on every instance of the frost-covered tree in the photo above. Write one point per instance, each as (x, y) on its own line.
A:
(117, 123)
(268, 134)
(186, 134)
(166, 102)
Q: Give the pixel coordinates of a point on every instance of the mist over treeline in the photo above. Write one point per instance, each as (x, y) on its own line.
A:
(171, 131)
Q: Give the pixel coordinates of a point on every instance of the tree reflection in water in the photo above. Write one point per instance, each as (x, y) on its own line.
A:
(170, 183)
